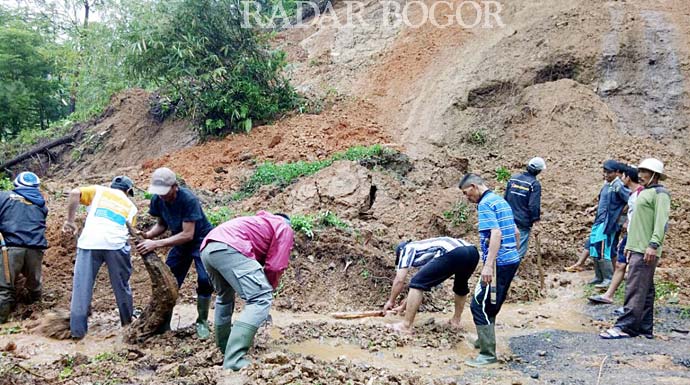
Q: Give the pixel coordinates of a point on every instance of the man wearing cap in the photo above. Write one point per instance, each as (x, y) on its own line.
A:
(22, 225)
(499, 238)
(104, 238)
(648, 227)
(179, 211)
(247, 256)
(438, 259)
(523, 194)
(613, 197)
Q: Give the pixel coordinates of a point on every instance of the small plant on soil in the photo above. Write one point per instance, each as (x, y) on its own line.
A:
(107, 356)
(502, 174)
(365, 274)
(329, 219)
(477, 137)
(458, 214)
(6, 184)
(303, 224)
(218, 215)
(11, 330)
(666, 290)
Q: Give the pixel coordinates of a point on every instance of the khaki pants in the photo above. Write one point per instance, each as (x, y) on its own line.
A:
(21, 261)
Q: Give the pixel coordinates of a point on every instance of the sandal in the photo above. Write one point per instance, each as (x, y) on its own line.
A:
(614, 334)
(599, 299)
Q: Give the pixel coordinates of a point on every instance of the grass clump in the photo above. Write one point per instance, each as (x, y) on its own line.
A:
(308, 223)
(458, 214)
(6, 184)
(269, 173)
(502, 174)
(218, 215)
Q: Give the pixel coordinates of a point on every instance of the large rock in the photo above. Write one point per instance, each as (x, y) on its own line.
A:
(345, 187)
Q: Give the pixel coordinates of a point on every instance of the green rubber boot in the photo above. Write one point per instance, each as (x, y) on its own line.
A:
(202, 306)
(487, 347)
(239, 342)
(222, 334)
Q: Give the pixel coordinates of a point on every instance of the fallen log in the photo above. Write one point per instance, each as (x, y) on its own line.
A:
(163, 297)
(43, 148)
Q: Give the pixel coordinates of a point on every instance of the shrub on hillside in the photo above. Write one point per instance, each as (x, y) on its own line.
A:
(219, 73)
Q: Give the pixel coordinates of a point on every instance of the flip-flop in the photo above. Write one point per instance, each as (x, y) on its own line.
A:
(614, 334)
(599, 299)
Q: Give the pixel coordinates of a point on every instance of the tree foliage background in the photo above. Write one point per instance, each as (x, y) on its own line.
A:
(62, 60)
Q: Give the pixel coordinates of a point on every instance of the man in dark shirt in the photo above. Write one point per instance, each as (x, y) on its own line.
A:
(523, 194)
(179, 211)
(23, 225)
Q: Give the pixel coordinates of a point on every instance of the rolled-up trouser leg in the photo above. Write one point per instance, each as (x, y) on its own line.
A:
(32, 272)
(119, 266)
(85, 270)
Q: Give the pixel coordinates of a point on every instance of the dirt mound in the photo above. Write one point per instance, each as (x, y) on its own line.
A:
(125, 135)
(220, 165)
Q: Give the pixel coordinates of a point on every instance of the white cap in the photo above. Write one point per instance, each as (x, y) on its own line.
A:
(653, 165)
(537, 163)
(162, 180)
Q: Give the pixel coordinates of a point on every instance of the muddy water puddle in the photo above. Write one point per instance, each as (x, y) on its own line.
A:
(432, 362)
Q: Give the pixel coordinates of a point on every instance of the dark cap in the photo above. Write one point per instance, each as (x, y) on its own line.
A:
(611, 165)
(123, 183)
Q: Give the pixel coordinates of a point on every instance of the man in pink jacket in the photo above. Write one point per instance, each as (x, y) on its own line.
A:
(247, 256)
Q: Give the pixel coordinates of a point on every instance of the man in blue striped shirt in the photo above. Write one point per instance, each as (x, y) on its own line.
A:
(499, 237)
(439, 259)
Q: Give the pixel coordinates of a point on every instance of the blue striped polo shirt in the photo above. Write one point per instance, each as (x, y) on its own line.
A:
(495, 213)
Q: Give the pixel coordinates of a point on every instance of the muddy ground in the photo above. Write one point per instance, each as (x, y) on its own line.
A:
(538, 342)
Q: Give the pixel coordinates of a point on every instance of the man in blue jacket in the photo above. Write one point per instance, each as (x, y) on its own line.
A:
(603, 237)
(23, 214)
(523, 194)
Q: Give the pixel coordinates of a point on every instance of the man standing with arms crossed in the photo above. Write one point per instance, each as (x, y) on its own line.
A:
(179, 211)
(498, 237)
(645, 238)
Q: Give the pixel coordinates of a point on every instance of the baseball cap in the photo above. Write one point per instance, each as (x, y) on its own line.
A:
(537, 163)
(611, 165)
(123, 183)
(162, 180)
(26, 179)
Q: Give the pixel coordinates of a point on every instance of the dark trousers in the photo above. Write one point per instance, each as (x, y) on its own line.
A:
(459, 262)
(180, 260)
(639, 298)
(483, 311)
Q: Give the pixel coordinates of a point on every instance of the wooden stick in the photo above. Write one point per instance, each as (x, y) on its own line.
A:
(539, 265)
(358, 314)
(601, 368)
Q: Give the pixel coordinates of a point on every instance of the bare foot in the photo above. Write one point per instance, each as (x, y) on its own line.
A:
(400, 328)
(455, 324)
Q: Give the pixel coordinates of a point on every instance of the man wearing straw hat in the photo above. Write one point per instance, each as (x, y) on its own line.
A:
(648, 227)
